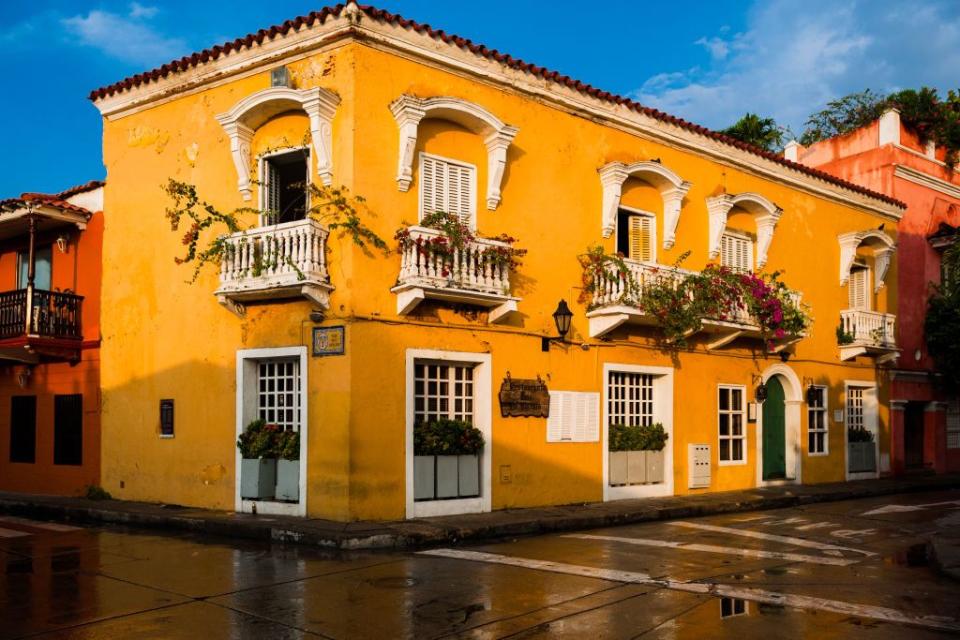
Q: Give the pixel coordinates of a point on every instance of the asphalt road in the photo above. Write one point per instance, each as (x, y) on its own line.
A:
(852, 569)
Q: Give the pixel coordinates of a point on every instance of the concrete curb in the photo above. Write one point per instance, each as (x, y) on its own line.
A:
(944, 554)
(414, 534)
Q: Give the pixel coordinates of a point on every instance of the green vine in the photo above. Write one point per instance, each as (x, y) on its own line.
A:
(600, 267)
(942, 324)
(332, 206)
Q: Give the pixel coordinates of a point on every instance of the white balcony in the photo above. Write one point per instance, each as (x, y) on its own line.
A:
(611, 308)
(872, 333)
(467, 277)
(273, 263)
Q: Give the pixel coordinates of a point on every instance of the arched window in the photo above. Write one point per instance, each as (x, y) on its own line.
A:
(671, 187)
(736, 249)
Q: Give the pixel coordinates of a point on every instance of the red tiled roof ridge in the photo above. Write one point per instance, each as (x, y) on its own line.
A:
(51, 199)
(80, 188)
(382, 15)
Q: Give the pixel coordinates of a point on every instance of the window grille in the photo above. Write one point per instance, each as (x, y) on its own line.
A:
(953, 424)
(732, 436)
(630, 398)
(442, 391)
(855, 408)
(817, 425)
(447, 186)
(278, 393)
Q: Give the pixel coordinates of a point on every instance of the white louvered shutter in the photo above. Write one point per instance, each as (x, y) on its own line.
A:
(574, 417)
(859, 284)
(272, 177)
(736, 252)
(641, 238)
(446, 186)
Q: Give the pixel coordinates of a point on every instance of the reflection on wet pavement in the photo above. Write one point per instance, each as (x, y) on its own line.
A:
(843, 570)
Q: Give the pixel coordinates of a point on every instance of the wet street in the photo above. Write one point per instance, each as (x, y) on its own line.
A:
(854, 569)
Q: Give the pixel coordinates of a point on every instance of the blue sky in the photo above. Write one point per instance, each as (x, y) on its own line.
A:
(707, 61)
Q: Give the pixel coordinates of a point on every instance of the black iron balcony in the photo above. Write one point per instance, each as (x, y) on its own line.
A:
(52, 314)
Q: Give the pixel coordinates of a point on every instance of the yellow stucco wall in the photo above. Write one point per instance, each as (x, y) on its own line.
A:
(165, 338)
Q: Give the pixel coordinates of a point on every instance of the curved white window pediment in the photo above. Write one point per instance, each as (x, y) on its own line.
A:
(250, 113)
(671, 187)
(883, 247)
(497, 136)
(765, 212)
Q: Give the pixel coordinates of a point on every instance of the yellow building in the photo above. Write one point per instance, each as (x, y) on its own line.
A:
(417, 121)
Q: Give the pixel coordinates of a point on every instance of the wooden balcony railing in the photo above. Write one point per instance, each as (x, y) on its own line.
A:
(52, 314)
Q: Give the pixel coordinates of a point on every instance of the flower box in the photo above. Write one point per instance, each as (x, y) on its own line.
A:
(655, 461)
(288, 480)
(861, 457)
(636, 467)
(258, 478)
(446, 477)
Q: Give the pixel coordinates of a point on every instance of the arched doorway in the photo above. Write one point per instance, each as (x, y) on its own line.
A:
(774, 431)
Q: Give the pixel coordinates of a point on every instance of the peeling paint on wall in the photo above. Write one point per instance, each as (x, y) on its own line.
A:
(143, 136)
(191, 152)
(213, 473)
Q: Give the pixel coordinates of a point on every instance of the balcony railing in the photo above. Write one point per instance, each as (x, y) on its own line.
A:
(53, 314)
(870, 330)
(614, 305)
(279, 261)
(467, 276)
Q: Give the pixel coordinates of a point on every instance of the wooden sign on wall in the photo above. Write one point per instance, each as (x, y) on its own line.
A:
(524, 397)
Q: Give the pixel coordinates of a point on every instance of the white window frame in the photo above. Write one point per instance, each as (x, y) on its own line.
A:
(740, 235)
(246, 410)
(473, 185)
(743, 422)
(826, 423)
(482, 419)
(653, 231)
(662, 413)
(874, 428)
(867, 286)
(262, 161)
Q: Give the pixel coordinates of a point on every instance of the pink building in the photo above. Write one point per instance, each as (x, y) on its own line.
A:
(888, 157)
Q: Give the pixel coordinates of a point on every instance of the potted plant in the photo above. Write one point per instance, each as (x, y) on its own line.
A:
(446, 460)
(258, 466)
(636, 454)
(861, 452)
(288, 465)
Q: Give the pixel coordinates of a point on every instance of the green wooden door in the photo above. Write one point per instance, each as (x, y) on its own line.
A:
(774, 432)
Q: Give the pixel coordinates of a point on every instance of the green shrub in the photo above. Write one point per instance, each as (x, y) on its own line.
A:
(637, 438)
(259, 440)
(445, 437)
(859, 434)
(95, 492)
(288, 445)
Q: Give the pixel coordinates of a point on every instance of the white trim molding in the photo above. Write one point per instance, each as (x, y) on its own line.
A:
(766, 214)
(243, 119)
(926, 180)
(883, 248)
(672, 189)
(889, 128)
(409, 111)
(482, 419)
(246, 410)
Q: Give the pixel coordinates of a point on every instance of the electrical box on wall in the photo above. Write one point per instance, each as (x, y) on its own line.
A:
(698, 466)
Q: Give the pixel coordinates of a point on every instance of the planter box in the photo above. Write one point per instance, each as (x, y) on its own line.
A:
(258, 478)
(861, 457)
(424, 469)
(635, 467)
(446, 477)
(655, 465)
(288, 480)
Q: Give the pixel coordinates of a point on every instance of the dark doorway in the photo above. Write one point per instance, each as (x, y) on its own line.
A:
(286, 177)
(68, 429)
(23, 429)
(913, 435)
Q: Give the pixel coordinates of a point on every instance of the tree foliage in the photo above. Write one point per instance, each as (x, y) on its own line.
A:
(942, 324)
(843, 115)
(760, 132)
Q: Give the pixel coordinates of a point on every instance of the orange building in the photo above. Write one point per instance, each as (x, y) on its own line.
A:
(888, 157)
(50, 268)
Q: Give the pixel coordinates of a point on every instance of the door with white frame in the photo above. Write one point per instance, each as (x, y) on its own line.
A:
(271, 386)
(457, 386)
(636, 395)
(861, 417)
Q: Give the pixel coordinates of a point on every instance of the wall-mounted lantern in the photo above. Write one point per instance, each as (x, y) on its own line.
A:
(760, 392)
(561, 318)
(62, 241)
(23, 377)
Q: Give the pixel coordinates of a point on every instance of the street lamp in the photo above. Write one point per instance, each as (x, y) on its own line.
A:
(561, 318)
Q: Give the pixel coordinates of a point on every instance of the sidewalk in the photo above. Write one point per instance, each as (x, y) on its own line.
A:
(447, 530)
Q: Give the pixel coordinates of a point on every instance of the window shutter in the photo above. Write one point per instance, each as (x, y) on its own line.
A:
(273, 188)
(574, 417)
(446, 186)
(736, 252)
(428, 186)
(641, 242)
(858, 285)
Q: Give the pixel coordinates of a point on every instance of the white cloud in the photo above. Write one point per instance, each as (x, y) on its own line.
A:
(794, 57)
(128, 38)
